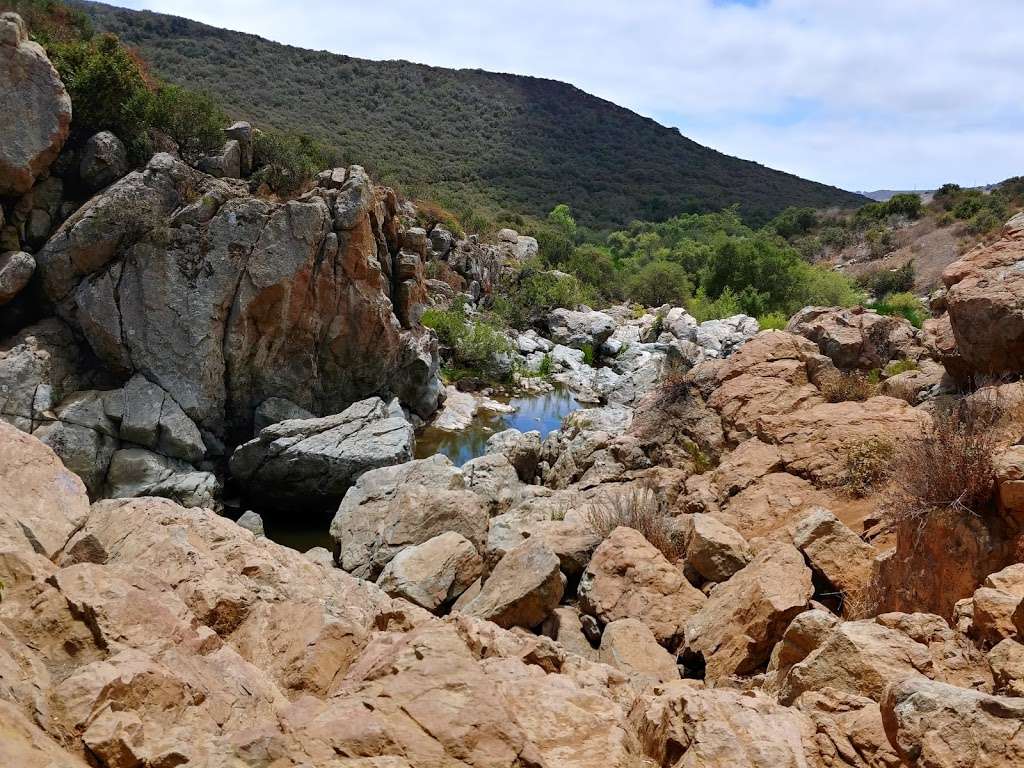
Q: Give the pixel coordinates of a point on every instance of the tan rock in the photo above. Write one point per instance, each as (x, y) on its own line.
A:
(566, 628)
(804, 634)
(860, 657)
(628, 645)
(834, 551)
(628, 578)
(769, 506)
(857, 337)
(992, 619)
(522, 589)
(433, 573)
(24, 745)
(743, 618)
(41, 502)
(850, 730)
(1007, 663)
(1009, 469)
(692, 728)
(713, 549)
(941, 726)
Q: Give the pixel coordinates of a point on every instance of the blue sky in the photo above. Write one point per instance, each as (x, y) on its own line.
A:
(864, 94)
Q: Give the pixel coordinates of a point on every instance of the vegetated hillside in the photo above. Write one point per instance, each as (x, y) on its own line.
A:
(468, 138)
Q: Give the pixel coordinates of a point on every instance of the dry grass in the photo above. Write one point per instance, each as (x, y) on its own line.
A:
(675, 387)
(949, 467)
(843, 387)
(641, 509)
(867, 465)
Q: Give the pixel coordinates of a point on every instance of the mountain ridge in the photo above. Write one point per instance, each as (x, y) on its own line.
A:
(499, 142)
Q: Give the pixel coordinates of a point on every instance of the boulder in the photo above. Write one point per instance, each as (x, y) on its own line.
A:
(580, 330)
(521, 449)
(433, 574)
(742, 619)
(524, 587)
(307, 313)
(1009, 470)
(713, 549)
(565, 626)
(41, 503)
(720, 338)
(148, 416)
(1006, 661)
(226, 163)
(277, 409)
(241, 132)
(629, 646)
(391, 508)
(941, 726)
(252, 522)
(35, 110)
(319, 459)
(834, 551)
(684, 725)
(83, 436)
(985, 301)
(104, 161)
(860, 657)
(857, 338)
(137, 472)
(16, 268)
(567, 533)
(494, 479)
(628, 578)
(992, 612)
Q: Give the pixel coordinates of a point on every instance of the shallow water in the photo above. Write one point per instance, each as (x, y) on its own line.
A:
(542, 412)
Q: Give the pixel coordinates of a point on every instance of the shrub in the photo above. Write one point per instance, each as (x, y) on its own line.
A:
(907, 204)
(897, 367)
(841, 387)
(866, 465)
(194, 120)
(286, 162)
(675, 387)
(794, 221)
(949, 466)
(885, 281)
(430, 214)
(983, 222)
(531, 293)
(593, 265)
(820, 287)
(476, 346)
(905, 305)
(544, 369)
(641, 509)
(660, 282)
(703, 309)
(775, 321)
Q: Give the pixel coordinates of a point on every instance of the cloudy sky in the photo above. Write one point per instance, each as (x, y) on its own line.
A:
(863, 94)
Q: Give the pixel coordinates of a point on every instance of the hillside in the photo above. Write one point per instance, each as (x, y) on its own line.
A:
(468, 138)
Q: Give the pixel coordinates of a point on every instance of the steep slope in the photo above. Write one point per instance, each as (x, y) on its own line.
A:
(468, 137)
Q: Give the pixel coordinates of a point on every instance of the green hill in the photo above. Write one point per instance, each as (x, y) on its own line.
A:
(467, 138)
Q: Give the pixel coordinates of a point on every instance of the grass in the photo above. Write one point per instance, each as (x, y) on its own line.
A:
(896, 367)
(641, 509)
(855, 386)
(867, 465)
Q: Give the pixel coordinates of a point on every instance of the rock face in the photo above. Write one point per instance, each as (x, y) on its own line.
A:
(985, 301)
(628, 578)
(35, 111)
(231, 300)
(319, 459)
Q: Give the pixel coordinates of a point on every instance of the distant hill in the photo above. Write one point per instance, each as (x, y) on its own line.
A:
(884, 195)
(467, 138)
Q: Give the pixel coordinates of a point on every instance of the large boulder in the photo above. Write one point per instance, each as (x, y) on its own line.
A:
(391, 508)
(523, 588)
(628, 578)
(720, 338)
(137, 472)
(935, 725)
(834, 551)
(104, 161)
(225, 300)
(857, 338)
(985, 301)
(714, 550)
(434, 573)
(319, 459)
(628, 645)
(580, 330)
(35, 110)
(743, 618)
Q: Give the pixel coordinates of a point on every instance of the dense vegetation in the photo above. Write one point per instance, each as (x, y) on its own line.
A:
(487, 146)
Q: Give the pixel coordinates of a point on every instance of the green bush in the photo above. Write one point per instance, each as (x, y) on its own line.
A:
(983, 222)
(703, 309)
(905, 305)
(594, 266)
(794, 221)
(907, 204)
(884, 281)
(194, 120)
(527, 296)
(476, 346)
(774, 321)
(286, 162)
(660, 282)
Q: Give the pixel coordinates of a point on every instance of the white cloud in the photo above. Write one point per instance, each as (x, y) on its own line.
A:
(862, 94)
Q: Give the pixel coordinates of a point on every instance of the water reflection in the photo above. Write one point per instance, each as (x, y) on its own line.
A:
(541, 412)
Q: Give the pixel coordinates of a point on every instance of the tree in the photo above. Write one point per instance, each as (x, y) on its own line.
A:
(660, 282)
(561, 218)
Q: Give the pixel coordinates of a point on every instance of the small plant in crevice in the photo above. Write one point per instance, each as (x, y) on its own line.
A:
(867, 465)
(841, 386)
(641, 509)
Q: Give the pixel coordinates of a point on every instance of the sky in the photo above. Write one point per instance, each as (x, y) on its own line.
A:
(862, 94)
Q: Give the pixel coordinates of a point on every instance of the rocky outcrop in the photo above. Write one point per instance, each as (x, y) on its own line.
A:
(226, 300)
(317, 460)
(580, 330)
(985, 301)
(857, 338)
(35, 111)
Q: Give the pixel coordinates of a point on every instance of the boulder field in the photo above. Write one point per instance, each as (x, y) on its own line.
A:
(701, 570)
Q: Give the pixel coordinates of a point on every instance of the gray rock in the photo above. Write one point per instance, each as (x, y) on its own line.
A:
(251, 521)
(226, 163)
(521, 449)
(319, 459)
(392, 508)
(83, 437)
(241, 132)
(276, 409)
(720, 338)
(494, 479)
(150, 418)
(104, 161)
(580, 329)
(39, 366)
(137, 472)
(16, 268)
(35, 110)
(320, 556)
